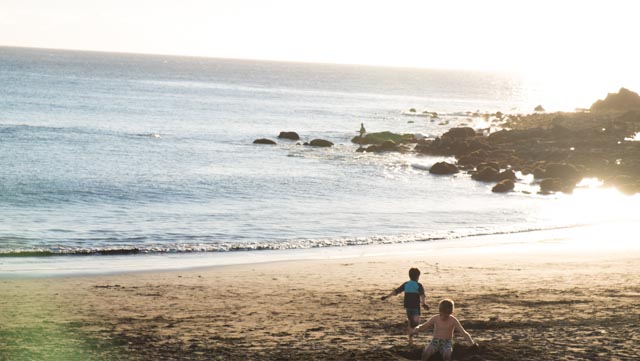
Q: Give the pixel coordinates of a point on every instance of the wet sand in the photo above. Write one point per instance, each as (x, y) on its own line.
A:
(546, 301)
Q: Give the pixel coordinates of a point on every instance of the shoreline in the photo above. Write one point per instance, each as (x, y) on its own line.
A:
(97, 265)
(546, 299)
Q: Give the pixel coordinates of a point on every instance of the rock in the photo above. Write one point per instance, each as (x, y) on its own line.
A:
(503, 186)
(320, 143)
(462, 132)
(486, 174)
(412, 110)
(387, 146)
(381, 137)
(624, 100)
(539, 108)
(470, 159)
(493, 165)
(443, 168)
(264, 141)
(539, 173)
(562, 171)
(289, 135)
(552, 185)
(507, 175)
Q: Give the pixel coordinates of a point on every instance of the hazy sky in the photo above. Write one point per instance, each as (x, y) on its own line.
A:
(531, 36)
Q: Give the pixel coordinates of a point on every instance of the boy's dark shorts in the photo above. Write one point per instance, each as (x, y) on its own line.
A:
(410, 313)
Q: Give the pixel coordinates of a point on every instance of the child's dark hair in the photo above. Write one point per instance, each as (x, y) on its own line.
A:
(414, 274)
(446, 306)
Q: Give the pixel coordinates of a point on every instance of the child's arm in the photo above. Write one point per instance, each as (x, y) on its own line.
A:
(393, 293)
(427, 324)
(423, 300)
(423, 297)
(464, 333)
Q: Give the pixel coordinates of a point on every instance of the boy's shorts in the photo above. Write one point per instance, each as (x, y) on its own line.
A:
(411, 312)
(442, 345)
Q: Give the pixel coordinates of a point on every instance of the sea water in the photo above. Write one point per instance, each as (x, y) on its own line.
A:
(114, 154)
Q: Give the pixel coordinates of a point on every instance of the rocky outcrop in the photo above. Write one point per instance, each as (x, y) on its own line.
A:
(559, 148)
(623, 100)
(443, 168)
(289, 135)
(320, 143)
(264, 141)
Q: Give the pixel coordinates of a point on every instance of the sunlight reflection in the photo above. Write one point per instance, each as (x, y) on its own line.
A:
(635, 138)
(592, 204)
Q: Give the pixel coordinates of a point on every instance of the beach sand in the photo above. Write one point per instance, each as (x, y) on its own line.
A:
(545, 301)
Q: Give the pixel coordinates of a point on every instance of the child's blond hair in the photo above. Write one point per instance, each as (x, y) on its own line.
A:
(446, 306)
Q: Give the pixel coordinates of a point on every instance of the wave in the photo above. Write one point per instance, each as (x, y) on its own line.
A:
(30, 130)
(177, 248)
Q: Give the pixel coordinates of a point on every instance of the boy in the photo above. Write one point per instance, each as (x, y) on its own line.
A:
(445, 323)
(413, 297)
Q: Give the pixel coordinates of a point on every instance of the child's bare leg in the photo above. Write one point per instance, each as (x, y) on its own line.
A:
(413, 321)
(428, 352)
(447, 355)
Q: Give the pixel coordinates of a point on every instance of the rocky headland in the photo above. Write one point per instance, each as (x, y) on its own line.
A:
(558, 149)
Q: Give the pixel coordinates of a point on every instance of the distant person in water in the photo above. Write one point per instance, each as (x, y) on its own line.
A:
(414, 296)
(362, 132)
(444, 325)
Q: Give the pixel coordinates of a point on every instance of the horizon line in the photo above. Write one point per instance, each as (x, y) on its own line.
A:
(263, 59)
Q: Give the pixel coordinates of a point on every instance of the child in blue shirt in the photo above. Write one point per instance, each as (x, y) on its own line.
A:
(414, 296)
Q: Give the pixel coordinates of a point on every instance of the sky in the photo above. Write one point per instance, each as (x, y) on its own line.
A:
(556, 37)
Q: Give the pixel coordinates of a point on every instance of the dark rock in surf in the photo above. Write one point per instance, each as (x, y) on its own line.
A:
(320, 143)
(562, 171)
(443, 168)
(503, 186)
(264, 141)
(289, 135)
(507, 175)
(552, 185)
(486, 174)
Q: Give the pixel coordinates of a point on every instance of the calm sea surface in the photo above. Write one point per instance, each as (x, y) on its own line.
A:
(129, 153)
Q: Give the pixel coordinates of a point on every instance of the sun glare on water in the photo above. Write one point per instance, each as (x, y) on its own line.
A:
(611, 212)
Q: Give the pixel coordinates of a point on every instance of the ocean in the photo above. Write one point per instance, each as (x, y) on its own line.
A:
(105, 156)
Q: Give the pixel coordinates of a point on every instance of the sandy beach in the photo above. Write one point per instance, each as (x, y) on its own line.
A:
(549, 300)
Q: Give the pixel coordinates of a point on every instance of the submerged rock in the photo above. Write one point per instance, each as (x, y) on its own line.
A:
(264, 141)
